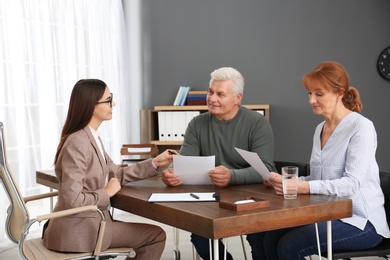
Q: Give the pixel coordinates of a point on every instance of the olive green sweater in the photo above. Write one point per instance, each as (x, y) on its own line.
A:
(248, 130)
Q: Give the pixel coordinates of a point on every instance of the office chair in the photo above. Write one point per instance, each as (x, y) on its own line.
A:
(304, 169)
(383, 249)
(18, 221)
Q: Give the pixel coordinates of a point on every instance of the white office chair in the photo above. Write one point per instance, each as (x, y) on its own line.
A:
(18, 221)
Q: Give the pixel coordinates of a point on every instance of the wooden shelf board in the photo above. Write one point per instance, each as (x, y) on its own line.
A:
(156, 142)
(164, 108)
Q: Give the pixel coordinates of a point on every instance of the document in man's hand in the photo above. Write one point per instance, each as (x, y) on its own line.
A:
(184, 197)
(254, 160)
(194, 170)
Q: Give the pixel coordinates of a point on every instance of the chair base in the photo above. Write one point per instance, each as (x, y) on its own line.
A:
(35, 250)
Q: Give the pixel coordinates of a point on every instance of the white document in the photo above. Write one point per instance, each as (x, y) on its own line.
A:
(132, 158)
(194, 170)
(254, 160)
(177, 197)
(139, 149)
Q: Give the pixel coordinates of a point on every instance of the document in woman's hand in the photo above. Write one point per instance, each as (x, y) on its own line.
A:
(254, 160)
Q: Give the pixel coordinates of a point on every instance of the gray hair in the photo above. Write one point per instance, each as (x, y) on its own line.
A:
(228, 73)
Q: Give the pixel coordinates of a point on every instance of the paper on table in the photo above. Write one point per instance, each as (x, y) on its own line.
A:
(177, 197)
(254, 160)
(194, 170)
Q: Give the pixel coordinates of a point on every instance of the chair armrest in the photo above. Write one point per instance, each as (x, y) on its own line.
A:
(40, 196)
(68, 212)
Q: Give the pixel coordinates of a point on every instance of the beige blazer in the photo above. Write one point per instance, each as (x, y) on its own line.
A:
(82, 173)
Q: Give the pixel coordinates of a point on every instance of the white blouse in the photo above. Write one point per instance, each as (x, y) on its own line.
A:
(346, 167)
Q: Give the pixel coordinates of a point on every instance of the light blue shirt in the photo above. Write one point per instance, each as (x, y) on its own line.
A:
(346, 167)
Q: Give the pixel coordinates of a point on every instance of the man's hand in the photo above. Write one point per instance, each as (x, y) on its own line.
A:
(171, 179)
(220, 176)
(268, 184)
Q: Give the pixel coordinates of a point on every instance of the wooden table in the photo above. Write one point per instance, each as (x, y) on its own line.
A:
(47, 178)
(209, 220)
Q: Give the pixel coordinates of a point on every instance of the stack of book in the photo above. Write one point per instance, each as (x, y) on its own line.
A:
(181, 96)
(196, 98)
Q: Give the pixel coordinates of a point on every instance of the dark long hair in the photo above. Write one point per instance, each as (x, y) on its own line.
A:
(85, 94)
(332, 76)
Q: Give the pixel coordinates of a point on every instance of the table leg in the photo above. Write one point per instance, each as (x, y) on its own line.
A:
(226, 243)
(216, 249)
(329, 238)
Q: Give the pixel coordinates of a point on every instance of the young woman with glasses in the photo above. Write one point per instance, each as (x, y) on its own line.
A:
(88, 176)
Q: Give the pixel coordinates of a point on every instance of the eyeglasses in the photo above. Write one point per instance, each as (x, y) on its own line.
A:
(107, 101)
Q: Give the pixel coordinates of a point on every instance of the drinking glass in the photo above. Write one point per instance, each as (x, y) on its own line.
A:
(290, 182)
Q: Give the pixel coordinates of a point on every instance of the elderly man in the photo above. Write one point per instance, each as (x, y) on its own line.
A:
(226, 125)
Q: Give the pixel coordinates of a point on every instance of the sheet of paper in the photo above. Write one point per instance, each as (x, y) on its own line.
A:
(254, 160)
(139, 149)
(182, 197)
(194, 170)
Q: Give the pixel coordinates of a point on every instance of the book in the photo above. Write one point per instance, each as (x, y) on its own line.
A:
(175, 103)
(183, 96)
(195, 98)
(198, 92)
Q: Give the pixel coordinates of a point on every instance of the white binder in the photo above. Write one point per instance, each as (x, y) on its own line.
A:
(162, 136)
(169, 125)
(182, 125)
(176, 125)
(190, 115)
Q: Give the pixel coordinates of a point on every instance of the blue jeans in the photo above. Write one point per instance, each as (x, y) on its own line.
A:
(202, 247)
(298, 242)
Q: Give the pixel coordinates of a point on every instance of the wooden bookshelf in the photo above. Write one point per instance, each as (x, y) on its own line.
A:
(265, 108)
(149, 123)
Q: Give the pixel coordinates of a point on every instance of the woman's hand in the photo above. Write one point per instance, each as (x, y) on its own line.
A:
(276, 181)
(303, 187)
(113, 186)
(171, 179)
(164, 158)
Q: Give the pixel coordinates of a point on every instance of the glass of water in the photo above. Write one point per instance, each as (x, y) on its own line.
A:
(290, 182)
